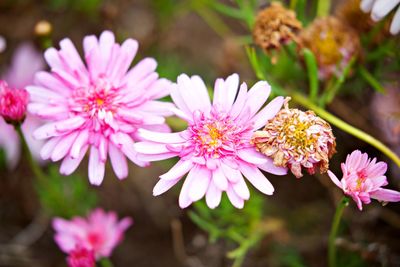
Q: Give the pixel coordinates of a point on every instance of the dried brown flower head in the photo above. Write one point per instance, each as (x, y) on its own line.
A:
(333, 43)
(274, 26)
(296, 139)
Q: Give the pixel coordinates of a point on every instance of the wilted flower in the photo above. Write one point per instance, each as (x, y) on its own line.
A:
(296, 139)
(275, 26)
(13, 103)
(26, 61)
(333, 43)
(380, 8)
(100, 232)
(215, 149)
(81, 257)
(349, 12)
(363, 179)
(98, 106)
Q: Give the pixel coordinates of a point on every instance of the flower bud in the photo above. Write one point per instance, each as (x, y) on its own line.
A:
(13, 103)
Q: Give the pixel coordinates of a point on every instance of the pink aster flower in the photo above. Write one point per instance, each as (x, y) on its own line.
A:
(97, 106)
(13, 103)
(101, 232)
(81, 257)
(363, 179)
(25, 63)
(215, 149)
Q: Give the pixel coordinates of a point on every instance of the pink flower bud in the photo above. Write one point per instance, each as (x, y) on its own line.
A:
(13, 103)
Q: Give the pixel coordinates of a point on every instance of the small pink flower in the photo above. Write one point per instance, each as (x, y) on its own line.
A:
(100, 232)
(26, 61)
(363, 179)
(215, 150)
(81, 257)
(97, 105)
(13, 103)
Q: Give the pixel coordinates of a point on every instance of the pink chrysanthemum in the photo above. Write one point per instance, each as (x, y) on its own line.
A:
(363, 179)
(81, 257)
(97, 106)
(26, 61)
(100, 232)
(13, 103)
(215, 149)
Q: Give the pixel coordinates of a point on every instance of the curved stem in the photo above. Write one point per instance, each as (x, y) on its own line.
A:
(345, 126)
(32, 163)
(334, 229)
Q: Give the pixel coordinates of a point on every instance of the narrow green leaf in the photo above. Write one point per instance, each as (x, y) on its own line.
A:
(312, 71)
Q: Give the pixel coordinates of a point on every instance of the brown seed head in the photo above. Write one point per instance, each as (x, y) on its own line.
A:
(274, 26)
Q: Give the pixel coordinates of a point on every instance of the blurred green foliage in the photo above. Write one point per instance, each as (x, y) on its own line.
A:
(65, 196)
(3, 162)
(89, 7)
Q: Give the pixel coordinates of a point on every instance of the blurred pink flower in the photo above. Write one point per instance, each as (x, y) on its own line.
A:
(25, 63)
(215, 149)
(101, 232)
(97, 106)
(363, 179)
(13, 103)
(81, 257)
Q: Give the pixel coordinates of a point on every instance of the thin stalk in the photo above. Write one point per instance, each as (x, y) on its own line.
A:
(334, 230)
(370, 79)
(299, 98)
(32, 163)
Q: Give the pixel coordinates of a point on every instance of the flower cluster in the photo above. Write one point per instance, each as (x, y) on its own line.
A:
(96, 236)
(363, 179)
(215, 149)
(98, 106)
(296, 139)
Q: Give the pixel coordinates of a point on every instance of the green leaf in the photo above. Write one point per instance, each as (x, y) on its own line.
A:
(312, 71)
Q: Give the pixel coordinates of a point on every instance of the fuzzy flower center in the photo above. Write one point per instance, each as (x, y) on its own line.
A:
(216, 135)
(295, 131)
(98, 101)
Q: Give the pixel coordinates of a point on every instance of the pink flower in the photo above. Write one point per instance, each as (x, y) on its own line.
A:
(215, 149)
(100, 232)
(363, 179)
(98, 106)
(13, 103)
(26, 62)
(81, 257)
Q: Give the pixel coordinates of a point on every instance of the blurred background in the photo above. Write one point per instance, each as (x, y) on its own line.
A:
(186, 36)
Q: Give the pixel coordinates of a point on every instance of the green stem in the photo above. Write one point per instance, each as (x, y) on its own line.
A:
(105, 262)
(33, 163)
(299, 98)
(323, 8)
(334, 230)
(370, 79)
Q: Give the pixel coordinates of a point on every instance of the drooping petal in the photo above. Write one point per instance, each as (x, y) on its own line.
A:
(257, 179)
(386, 195)
(96, 167)
(118, 161)
(163, 185)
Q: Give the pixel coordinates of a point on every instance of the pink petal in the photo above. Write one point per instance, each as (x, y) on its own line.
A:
(251, 155)
(270, 167)
(213, 196)
(50, 82)
(180, 103)
(163, 185)
(236, 201)
(184, 198)
(80, 141)
(48, 147)
(193, 95)
(178, 170)
(124, 59)
(257, 179)
(69, 164)
(142, 69)
(334, 179)
(199, 184)
(237, 107)
(150, 148)
(96, 167)
(118, 161)
(241, 189)
(268, 112)
(386, 195)
(156, 157)
(169, 138)
(63, 146)
(256, 97)
(219, 179)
